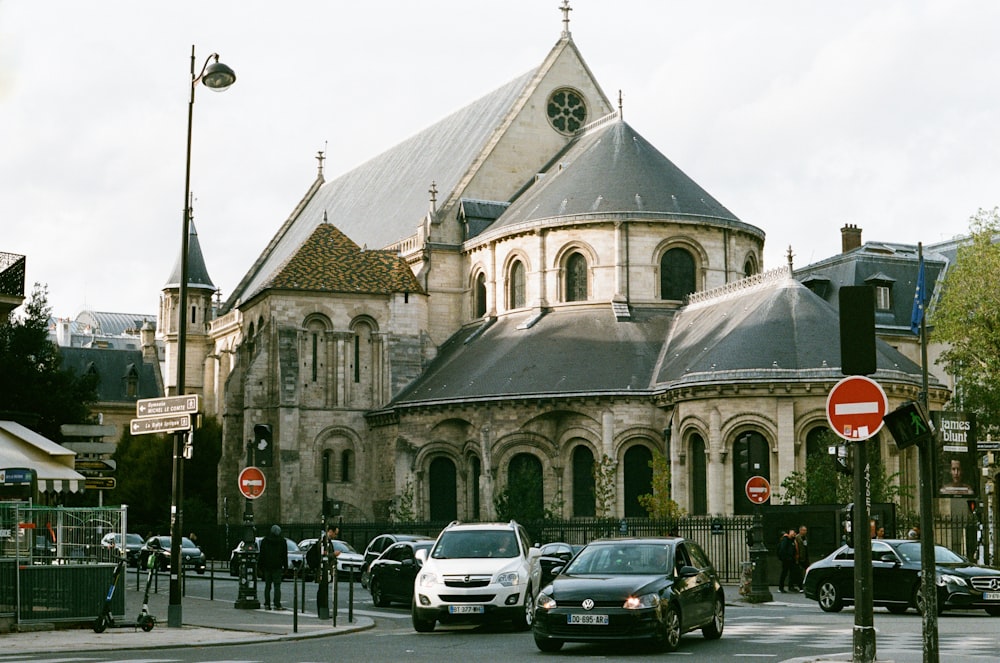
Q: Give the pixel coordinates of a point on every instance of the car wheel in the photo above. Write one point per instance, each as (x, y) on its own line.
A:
(713, 630)
(378, 596)
(897, 608)
(547, 644)
(993, 611)
(670, 630)
(918, 600)
(830, 599)
(421, 625)
(522, 621)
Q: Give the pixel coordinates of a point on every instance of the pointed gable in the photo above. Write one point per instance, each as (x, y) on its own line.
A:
(329, 261)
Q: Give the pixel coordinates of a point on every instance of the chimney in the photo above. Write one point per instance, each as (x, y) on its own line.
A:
(850, 238)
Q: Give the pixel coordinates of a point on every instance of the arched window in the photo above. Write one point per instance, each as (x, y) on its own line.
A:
(576, 278)
(638, 476)
(480, 295)
(677, 276)
(751, 457)
(443, 487)
(583, 482)
(475, 472)
(363, 369)
(524, 487)
(698, 476)
(515, 293)
(346, 465)
(750, 267)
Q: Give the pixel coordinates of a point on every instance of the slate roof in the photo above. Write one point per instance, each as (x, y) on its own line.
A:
(329, 261)
(612, 170)
(383, 200)
(197, 272)
(112, 368)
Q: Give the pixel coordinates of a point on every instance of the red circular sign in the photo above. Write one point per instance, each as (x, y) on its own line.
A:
(855, 407)
(252, 483)
(758, 490)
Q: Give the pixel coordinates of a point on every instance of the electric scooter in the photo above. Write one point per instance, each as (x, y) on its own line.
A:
(145, 621)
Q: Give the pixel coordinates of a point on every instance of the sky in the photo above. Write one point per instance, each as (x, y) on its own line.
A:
(799, 116)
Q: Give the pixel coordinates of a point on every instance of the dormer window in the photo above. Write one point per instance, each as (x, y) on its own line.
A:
(883, 290)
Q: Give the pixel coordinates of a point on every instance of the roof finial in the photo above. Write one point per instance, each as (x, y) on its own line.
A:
(565, 9)
(433, 191)
(790, 256)
(621, 114)
(320, 158)
(325, 219)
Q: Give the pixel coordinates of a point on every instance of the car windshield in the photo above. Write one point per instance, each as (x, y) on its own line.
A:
(292, 546)
(132, 539)
(910, 552)
(187, 543)
(470, 544)
(343, 546)
(621, 559)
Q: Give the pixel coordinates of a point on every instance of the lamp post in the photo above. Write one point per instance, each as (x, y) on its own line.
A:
(215, 76)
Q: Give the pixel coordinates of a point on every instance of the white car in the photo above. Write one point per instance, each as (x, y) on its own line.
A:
(475, 572)
(348, 560)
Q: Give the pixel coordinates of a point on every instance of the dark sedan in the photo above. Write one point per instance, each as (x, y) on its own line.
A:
(191, 555)
(896, 571)
(551, 556)
(652, 589)
(391, 574)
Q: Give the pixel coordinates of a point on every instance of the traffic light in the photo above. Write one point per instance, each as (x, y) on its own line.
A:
(263, 446)
(908, 424)
(840, 460)
(857, 330)
(751, 455)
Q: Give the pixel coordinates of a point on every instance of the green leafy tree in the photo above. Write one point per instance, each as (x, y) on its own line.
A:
(521, 499)
(402, 509)
(658, 504)
(604, 486)
(967, 321)
(34, 389)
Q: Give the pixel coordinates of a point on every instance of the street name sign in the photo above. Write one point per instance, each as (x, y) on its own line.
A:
(95, 465)
(100, 483)
(160, 424)
(252, 482)
(158, 407)
(855, 408)
(758, 489)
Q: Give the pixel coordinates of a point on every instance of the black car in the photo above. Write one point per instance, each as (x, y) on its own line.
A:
(391, 574)
(652, 589)
(896, 584)
(112, 545)
(191, 555)
(379, 544)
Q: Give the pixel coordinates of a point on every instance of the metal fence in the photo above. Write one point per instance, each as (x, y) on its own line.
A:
(54, 565)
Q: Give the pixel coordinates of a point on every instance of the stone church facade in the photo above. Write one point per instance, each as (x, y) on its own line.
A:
(527, 286)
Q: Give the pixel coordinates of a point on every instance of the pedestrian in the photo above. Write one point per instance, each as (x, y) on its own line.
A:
(786, 554)
(802, 555)
(273, 563)
(914, 533)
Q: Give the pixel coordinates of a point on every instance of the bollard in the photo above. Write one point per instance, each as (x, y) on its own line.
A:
(350, 598)
(295, 600)
(336, 595)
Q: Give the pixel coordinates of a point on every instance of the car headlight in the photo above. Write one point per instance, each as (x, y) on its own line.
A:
(545, 602)
(949, 579)
(427, 579)
(640, 602)
(508, 579)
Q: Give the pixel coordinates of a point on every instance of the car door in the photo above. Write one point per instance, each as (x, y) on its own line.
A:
(689, 590)
(889, 581)
(393, 571)
(841, 572)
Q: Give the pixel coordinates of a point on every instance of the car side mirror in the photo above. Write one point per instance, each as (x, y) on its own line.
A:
(534, 553)
(556, 570)
(688, 571)
(421, 556)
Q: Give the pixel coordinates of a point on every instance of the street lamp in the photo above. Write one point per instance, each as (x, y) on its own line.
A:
(215, 76)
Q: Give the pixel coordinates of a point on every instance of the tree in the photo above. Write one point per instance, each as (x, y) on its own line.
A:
(967, 321)
(34, 390)
(604, 486)
(658, 504)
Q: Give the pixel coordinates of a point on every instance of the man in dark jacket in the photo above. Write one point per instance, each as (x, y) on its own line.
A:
(273, 563)
(786, 554)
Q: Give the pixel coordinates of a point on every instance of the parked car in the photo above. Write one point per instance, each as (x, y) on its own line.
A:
(191, 555)
(896, 579)
(652, 589)
(551, 556)
(348, 560)
(295, 557)
(379, 544)
(133, 544)
(391, 574)
(474, 572)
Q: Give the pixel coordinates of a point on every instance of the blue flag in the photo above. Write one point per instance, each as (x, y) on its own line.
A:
(919, 301)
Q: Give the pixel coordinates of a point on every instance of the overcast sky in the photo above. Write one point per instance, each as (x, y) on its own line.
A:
(799, 116)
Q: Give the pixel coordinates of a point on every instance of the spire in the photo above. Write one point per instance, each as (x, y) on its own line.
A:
(197, 272)
(621, 114)
(433, 200)
(320, 157)
(565, 9)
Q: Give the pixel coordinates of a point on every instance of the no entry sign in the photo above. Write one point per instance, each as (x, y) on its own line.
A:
(758, 489)
(855, 407)
(252, 483)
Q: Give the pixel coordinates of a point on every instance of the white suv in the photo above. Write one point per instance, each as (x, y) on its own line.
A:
(475, 572)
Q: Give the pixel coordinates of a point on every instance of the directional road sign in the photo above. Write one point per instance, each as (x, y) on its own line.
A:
(100, 483)
(252, 482)
(758, 489)
(855, 407)
(158, 407)
(160, 424)
(95, 465)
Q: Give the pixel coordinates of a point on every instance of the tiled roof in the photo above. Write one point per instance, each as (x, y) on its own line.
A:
(329, 261)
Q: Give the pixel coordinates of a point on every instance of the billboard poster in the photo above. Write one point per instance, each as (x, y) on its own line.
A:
(957, 474)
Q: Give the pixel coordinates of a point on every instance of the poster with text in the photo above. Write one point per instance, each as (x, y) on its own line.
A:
(957, 470)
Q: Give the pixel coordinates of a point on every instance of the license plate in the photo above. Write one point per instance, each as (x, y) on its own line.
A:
(991, 596)
(587, 619)
(466, 609)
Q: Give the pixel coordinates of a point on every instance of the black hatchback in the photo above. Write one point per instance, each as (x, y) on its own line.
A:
(391, 574)
(652, 589)
(896, 572)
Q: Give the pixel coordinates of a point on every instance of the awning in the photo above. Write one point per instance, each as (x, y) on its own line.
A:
(52, 463)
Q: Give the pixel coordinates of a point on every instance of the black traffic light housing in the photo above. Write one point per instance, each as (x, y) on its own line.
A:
(263, 445)
(752, 455)
(908, 425)
(857, 330)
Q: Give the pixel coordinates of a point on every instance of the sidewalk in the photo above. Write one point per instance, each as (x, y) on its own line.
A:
(204, 622)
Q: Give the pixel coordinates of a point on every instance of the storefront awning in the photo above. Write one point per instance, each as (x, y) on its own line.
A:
(21, 447)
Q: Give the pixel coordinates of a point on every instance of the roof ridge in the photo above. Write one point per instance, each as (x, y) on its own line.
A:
(738, 288)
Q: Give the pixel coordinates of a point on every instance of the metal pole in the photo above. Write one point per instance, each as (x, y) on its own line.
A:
(864, 620)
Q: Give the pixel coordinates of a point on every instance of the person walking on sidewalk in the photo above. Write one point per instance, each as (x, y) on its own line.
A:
(802, 555)
(273, 564)
(786, 555)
